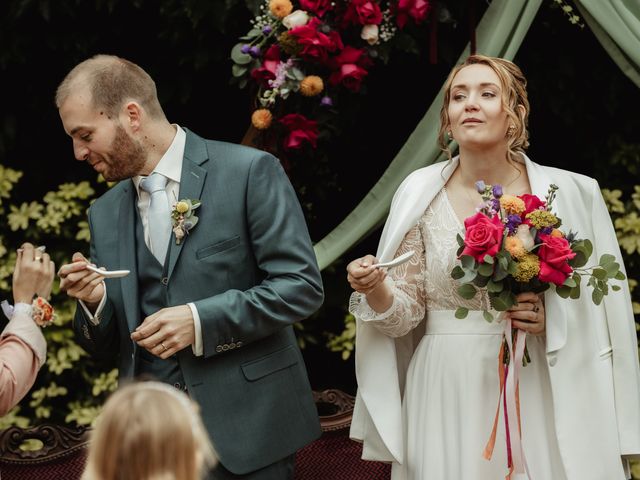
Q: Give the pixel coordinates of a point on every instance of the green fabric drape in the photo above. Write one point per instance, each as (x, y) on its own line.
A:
(499, 33)
(616, 24)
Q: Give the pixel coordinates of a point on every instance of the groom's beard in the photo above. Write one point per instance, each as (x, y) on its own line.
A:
(126, 159)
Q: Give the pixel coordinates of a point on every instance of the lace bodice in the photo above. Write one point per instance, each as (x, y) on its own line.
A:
(424, 283)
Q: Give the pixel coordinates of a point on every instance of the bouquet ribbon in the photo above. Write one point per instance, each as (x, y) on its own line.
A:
(510, 399)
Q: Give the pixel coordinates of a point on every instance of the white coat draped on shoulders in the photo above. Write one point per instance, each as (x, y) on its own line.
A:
(591, 350)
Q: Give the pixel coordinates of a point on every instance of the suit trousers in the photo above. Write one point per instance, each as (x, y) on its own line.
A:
(281, 470)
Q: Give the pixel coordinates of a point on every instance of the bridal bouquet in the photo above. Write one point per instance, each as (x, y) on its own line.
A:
(515, 244)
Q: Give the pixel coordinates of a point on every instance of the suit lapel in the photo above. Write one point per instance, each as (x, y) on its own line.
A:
(192, 180)
(127, 255)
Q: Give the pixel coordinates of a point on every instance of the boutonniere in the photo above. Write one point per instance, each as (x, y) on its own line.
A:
(182, 217)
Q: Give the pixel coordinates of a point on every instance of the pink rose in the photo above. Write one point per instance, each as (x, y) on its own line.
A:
(267, 71)
(348, 68)
(416, 9)
(301, 130)
(319, 7)
(531, 203)
(362, 12)
(315, 44)
(554, 253)
(483, 236)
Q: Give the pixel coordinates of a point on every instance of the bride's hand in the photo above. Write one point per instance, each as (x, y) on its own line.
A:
(363, 276)
(529, 314)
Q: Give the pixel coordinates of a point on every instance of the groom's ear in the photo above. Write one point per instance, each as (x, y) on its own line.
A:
(133, 115)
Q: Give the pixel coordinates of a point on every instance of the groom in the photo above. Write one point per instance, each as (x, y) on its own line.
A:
(208, 307)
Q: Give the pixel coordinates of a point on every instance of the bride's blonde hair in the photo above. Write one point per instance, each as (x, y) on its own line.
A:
(515, 102)
(149, 431)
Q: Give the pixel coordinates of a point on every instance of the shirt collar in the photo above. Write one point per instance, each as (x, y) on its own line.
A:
(170, 165)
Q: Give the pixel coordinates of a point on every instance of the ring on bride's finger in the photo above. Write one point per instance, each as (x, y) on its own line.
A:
(536, 308)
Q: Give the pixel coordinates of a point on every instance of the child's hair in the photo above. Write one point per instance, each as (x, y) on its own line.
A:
(149, 431)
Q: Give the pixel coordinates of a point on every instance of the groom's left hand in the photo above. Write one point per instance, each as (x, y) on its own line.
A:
(166, 332)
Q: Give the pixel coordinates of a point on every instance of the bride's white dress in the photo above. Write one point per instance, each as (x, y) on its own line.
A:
(452, 385)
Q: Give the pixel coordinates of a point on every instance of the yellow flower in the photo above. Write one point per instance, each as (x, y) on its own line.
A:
(512, 204)
(182, 207)
(280, 8)
(311, 86)
(261, 119)
(527, 267)
(515, 247)
(557, 233)
(542, 218)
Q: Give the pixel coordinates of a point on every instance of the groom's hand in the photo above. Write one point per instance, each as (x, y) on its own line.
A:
(81, 283)
(166, 332)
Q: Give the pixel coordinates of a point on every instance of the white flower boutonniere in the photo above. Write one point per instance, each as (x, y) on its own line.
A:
(182, 217)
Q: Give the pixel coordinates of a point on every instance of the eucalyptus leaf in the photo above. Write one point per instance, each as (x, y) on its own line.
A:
(488, 259)
(599, 273)
(575, 292)
(606, 259)
(500, 274)
(457, 272)
(460, 240)
(488, 316)
(461, 312)
(485, 269)
(620, 276)
(615, 288)
(468, 261)
(238, 70)
(495, 287)
(238, 57)
(563, 291)
(467, 291)
(597, 296)
(612, 269)
(570, 282)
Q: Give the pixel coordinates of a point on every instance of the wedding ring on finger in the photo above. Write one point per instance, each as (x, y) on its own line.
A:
(162, 345)
(536, 308)
(38, 253)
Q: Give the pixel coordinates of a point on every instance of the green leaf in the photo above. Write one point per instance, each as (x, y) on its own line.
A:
(238, 57)
(488, 259)
(563, 291)
(494, 287)
(238, 70)
(457, 273)
(500, 274)
(468, 261)
(481, 281)
(498, 304)
(575, 292)
(612, 269)
(467, 291)
(606, 259)
(460, 240)
(615, 288)
(461, 312)
(620, 276)
(599, 273)
(485, 269)
(597, 296)
(488, 316)
(570, 282)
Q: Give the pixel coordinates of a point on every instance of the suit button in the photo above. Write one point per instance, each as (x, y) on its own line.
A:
(164, 281)
(219, 348)
(225, 347)
(552, 361)
(232, 345)
(238, 344)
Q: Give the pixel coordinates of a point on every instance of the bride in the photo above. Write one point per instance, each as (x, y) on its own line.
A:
(428, 382)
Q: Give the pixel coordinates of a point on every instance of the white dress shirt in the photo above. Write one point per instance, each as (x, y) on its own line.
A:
(170, 165)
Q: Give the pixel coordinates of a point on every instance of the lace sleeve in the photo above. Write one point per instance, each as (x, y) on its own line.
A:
(407, 283)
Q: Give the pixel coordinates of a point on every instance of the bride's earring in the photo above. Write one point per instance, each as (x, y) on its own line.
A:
(450, 135)
(511, 130)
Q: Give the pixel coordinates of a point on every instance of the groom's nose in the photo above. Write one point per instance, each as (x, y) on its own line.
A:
(81, 152)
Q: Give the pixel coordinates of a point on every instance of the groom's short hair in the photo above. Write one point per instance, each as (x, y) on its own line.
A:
(112, 81)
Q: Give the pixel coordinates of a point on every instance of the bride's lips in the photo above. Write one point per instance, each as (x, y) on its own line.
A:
(471, 120)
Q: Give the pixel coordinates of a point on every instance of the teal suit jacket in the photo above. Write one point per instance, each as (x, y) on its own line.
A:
(249, 267)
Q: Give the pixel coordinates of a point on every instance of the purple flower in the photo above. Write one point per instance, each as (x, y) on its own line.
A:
(267, 29)
(546, 230)
(326, 101)
(480, 186)
(495, 204)
(245, 48)
(497, 191)
(254, 51)
(512, 223)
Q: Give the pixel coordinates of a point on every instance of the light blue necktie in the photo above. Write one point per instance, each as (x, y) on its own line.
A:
(158, 215)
